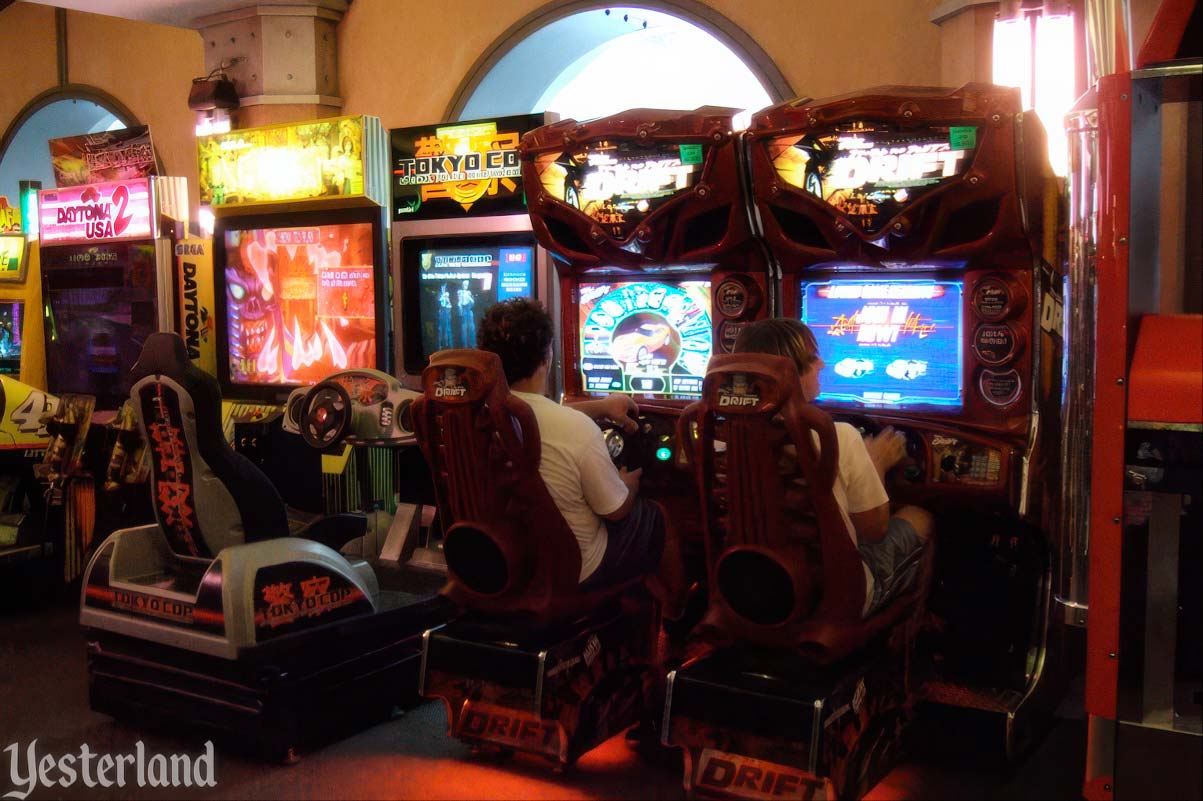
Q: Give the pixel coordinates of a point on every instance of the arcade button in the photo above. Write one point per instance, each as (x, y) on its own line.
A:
(992, 299)
(996, 343)
(728, 332)
(737, 297)
(1000, 388)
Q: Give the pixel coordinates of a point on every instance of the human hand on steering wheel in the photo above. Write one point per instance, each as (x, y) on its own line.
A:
(886, 449)
(620, 410)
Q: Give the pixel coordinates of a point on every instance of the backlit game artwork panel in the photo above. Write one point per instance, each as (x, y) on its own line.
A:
(870, 171)
(645, 337)
(11, 317)
(300, 302)
(456, 285)
(887, 343)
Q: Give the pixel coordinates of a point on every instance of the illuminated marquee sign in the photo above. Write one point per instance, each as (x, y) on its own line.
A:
(618, 184)
(109, 156)
(280, 163)
(10, 217)
(457, 170)
(12, 258)
(869, 174)
(96, 213)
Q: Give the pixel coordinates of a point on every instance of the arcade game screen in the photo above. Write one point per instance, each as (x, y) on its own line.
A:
(645, 337)
(456, 284)
(100, 308)
(869, 171)
(300, 302)
(12, 313)
(887, 343)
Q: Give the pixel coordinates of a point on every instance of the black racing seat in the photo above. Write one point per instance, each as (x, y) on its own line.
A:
(207, 496)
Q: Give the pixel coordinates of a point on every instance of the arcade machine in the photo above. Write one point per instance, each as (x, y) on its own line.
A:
(1134, 548)
(107, 279)
(462, 241)
(300, 284)
(915, 232)
(217, 615)
(645, 212)
(29, 551)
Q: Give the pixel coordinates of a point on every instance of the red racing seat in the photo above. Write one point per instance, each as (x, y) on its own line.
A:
(783, 571)
(508, 548)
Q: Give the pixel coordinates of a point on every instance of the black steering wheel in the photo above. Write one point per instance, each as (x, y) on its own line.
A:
(325, 415)
(627, 450)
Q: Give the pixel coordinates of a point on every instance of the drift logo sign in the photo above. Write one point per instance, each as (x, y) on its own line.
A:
(737, 393)
(745, 777)
(520, 730)
(451, 386)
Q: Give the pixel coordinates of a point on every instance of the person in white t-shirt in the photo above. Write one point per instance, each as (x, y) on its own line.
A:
(890, 546)
(620, 534)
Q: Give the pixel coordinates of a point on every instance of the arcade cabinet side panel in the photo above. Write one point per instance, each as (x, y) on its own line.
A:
(1110, 421)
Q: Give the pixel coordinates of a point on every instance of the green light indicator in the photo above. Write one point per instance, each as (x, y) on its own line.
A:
(664, 454)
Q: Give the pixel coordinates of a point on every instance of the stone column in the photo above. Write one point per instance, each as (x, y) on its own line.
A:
(966, 40)
(284, 59)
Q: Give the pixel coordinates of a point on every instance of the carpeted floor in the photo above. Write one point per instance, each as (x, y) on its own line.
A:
(43, 696)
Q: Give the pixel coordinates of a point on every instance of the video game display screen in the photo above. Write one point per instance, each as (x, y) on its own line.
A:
(869, 171)
(645, 337)
(100, 308)
(300, 302)
(457, 284)
(887, 343)
(12, 315)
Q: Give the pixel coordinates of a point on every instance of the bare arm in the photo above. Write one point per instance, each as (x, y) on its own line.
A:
(631, 479)
(871, 525)
(620, 409)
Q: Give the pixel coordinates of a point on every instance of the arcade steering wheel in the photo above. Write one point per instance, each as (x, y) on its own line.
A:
(325, 415)
(627, 450)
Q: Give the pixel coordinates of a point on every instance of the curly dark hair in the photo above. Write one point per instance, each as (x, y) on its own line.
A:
(519, 330)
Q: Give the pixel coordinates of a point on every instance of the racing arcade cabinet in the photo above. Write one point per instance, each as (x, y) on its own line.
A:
(300, 283)
(646, 213)
(462, 242)
(215, 616)
(916, 232)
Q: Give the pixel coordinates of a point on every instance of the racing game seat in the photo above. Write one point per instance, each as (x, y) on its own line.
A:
(509, 550)
(536, 664)
(780, 578)
(783, 654)
(207, 496)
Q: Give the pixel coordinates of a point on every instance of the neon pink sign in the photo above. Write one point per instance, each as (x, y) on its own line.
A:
(96, 212)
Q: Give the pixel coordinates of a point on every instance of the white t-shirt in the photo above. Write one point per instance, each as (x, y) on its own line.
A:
(576, 467)
(857, 488)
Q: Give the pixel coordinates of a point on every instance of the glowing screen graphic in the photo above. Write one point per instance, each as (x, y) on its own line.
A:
(869, 172)
(645, 337)
(457, 285)
(11, 315)
(887, 343)
(300, 302)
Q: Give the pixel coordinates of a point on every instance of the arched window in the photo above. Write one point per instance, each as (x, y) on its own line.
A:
(602, 60)
(24, 153)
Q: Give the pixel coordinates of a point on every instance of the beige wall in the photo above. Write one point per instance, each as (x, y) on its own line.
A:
(404, 61)
(148, 68)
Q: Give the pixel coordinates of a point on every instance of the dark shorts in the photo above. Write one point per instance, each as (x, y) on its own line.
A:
(634, 546)
(894, 562)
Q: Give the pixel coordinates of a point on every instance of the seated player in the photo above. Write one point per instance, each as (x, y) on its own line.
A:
(621, 535)
(890, 546)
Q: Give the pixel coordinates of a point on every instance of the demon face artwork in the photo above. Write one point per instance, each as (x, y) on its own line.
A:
(300, 303)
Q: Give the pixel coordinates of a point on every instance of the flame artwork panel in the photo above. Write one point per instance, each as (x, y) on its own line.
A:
(300, 302)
